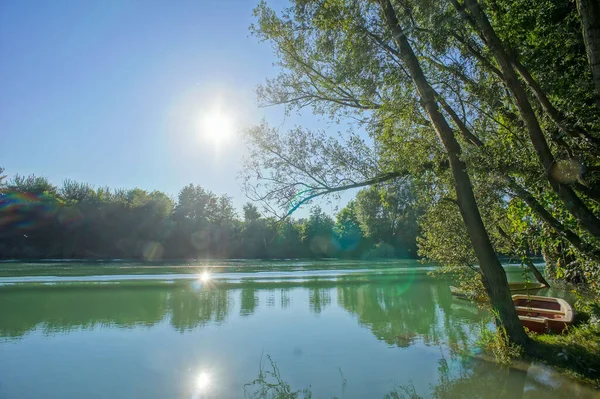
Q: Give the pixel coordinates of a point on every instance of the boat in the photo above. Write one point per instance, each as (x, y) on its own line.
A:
(469, 295)
(543, 313)
(516, 287)
(526, 286)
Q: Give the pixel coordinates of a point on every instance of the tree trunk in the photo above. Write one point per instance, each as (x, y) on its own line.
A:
(573, 203)
(494, 276)
(547, 217)
(538, 276)
(589, 12)
(526, 196)
(559, 120)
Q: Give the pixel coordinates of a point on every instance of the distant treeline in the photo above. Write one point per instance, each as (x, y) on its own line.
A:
(40, 220)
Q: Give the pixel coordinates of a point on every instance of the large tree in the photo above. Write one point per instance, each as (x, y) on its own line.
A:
(354, 58)
(449, 94)
(589, 11)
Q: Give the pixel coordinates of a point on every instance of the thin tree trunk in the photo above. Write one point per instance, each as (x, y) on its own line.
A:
(547, 217)
(538, 276)
(589, 12)
(526, 196)
(573, 203)
(554, 114)
(551, 262)
(494, 276)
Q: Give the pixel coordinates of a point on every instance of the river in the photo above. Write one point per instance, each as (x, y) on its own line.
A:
(226, 329)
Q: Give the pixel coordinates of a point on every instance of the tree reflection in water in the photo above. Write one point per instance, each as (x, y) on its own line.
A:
(399, 317)
(397, 309)
(248, 301)
(401, 310)
(319, 299)
(190, 309)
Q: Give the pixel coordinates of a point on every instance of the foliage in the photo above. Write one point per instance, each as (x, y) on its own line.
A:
(496, 342)
(444, 237)
(588, 307)
(251, 213)
(270, 385)
(342, 60)
(381, 251)
(388, 213)
(317, 233)
(76, 220)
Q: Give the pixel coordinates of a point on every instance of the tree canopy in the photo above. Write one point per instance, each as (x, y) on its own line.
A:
(489, 107)
(76, 220)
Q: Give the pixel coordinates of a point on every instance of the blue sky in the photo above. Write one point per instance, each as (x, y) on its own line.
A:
(112, 92)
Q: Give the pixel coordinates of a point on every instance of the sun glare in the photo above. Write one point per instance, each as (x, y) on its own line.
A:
(205, 277)
(203, 381)
(217, 127)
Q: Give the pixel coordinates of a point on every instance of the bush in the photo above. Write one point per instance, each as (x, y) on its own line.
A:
(381, 251)
(496, 342)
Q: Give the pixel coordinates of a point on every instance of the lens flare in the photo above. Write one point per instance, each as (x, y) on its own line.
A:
(27, 211)
(152, 250)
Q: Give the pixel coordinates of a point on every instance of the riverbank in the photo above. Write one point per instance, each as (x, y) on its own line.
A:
(576, 352)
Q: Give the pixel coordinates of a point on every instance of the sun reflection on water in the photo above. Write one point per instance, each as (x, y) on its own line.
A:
(204, 277)
(203, 280)
(203, 385)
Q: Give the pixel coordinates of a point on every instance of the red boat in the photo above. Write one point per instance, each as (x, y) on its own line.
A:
(543, 313)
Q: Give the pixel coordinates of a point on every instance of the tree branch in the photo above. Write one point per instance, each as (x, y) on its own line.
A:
(370, 182)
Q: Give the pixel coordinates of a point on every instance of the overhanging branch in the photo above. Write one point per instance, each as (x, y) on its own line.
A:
(370, 182)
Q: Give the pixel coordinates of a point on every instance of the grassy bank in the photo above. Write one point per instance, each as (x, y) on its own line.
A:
(575, 352)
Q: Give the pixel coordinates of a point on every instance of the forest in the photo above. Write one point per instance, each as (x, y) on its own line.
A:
(39, 220)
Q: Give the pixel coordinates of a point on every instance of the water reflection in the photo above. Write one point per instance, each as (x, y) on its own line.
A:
(467, 377)
(204, 277)
(319, 299)
(397, 316)
(413, 314)
(396, 313)
(248, 301)
(459, 376)
(189, 309)
(286, 298)
(61, 309)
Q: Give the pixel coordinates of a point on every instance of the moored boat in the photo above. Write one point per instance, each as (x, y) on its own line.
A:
(542, 313)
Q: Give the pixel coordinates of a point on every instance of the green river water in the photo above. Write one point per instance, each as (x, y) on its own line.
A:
(206, 329)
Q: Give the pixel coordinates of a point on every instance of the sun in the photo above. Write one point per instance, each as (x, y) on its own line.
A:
(203, 380)
(217, 127)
